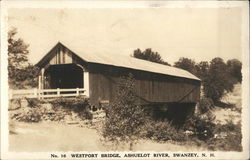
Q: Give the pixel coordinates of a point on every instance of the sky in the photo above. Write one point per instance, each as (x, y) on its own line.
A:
(197, 33)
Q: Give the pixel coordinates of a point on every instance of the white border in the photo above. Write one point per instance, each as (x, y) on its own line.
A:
(5, 5)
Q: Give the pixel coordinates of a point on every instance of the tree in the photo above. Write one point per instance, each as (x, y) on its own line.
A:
(186, 64)
(149, 55)
(234, 67)
(218, 80)
(217, 76)
(17, 51)
(21, 73)
(124, 118)
(202, 69)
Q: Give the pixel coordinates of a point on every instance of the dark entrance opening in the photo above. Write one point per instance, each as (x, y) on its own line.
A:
(63, 76)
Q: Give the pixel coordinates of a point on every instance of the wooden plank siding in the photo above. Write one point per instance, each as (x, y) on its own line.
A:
(62, 56)
(150, 87)
(103, 79)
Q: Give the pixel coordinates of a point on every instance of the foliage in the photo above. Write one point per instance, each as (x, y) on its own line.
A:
(234, 66)
(33, 112)
(202, 69)
(73, 103)
(17, 50)
(14, 104)
(217, 77)
(201, 126)
(23, 77)
(162, 131)
(223, 137)
(33, 102)
(21, 73)
(186, 64)
(218, 81)
(149, 55)
(228, 127)
(205, 105)
(28, 115)
(124, 118)
(201, 123)
(80, 105)
(55, 110)
(228, 137)
(86, 114)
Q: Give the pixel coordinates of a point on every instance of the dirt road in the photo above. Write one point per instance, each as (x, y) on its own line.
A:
(52, 136)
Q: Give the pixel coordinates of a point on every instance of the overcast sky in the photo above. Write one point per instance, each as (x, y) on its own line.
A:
(199, 34)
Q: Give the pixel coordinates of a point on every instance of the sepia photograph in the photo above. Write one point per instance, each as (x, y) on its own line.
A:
(127, 80)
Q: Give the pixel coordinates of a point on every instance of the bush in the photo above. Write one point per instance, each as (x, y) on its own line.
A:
(228, 127)
(124, 118)
(56, 110)
(201, 125)
(14, 104)
(232, 142)
(33, 115)
(86, 114)
(28, 115)
(33, 102)
(79, 105)
(162, 131)
(205, 105)
(228, 137)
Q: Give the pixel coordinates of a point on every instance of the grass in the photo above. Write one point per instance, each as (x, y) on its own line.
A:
(52, 136)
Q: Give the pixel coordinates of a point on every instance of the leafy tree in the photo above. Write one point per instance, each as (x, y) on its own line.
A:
(17, 50)
(21, 73)
(124, 118)
(216, 75)
(149, 55)
(234, 67)
(218, 80)
(202, 69)
(186, 64)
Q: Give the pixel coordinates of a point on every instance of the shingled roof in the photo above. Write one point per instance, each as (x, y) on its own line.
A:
(123, 61)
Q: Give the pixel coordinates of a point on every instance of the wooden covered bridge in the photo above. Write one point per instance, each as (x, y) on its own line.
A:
(71, 67)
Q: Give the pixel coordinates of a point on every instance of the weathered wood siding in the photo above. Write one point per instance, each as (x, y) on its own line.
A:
(62, 55)
(150, 87)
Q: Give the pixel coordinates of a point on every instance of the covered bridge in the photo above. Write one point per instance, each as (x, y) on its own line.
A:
(70, 67)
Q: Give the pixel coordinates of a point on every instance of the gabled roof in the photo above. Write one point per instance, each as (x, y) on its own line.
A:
(122, 61)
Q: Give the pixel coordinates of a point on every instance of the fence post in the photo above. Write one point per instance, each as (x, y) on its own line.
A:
(77, 91)
(39, 82)
(38, 93)
(58, 92)
(42, 93)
